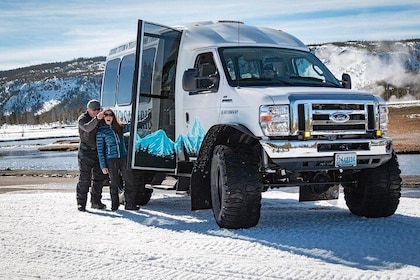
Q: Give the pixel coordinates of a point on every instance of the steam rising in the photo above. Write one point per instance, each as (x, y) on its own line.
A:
(376, 64)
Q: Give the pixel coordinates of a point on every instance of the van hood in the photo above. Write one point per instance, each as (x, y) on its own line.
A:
(282, 95)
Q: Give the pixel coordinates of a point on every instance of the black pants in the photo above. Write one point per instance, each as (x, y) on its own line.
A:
(90, 176)
(117, 167)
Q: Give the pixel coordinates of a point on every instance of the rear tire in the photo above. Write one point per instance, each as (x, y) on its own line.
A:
(378, 191)
(143, 194)
(235, 188)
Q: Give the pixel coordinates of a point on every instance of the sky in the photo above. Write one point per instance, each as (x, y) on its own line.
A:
(43, 31)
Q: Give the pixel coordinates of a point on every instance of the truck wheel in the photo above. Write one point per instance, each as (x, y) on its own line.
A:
(143, 197)
(144, 194)
(235, 188)
(377, 192)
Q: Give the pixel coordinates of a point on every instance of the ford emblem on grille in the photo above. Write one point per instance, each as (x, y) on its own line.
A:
(339, 117)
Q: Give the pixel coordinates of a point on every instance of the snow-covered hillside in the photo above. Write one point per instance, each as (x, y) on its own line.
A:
(374, 64)
(49, 92)
(41, 96)
(59, 91)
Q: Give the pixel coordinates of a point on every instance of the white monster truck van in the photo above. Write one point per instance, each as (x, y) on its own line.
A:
(232, 110)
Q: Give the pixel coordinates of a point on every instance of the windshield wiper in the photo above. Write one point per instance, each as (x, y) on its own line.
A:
(313, 79)
(306, 78)
(264, 82)
(277, 81)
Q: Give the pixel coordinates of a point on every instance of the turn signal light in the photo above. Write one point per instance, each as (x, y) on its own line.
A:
(265, 118)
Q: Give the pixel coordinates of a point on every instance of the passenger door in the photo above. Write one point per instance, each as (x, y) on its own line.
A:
(152, 145)
(201, 109)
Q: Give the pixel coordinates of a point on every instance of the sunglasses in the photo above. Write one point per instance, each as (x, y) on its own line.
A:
(108, 114)
(96, 109)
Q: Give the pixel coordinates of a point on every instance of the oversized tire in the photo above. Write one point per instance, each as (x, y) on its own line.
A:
(377, 192)
(235, 188)
(142, 199)
(143, 194)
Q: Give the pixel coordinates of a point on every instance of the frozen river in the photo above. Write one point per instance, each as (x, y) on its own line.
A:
(31, 158)
(25, 155)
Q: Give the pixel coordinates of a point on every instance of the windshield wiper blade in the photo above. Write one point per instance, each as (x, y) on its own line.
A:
(280, 82)
(306, 78)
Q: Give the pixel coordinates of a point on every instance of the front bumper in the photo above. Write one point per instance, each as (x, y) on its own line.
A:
(312, 155)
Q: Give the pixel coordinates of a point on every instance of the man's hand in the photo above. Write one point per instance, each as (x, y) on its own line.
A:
(105, 170)
(100, 115)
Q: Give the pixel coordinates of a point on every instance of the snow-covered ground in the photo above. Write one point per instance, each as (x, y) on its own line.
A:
(25, 132)
(43, 236)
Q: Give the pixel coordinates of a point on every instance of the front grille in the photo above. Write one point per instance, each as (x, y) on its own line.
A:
(338, 127)
(337, 107)
(325, 118)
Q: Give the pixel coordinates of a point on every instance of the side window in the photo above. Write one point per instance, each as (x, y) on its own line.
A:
(125, 82)
(110, 83)
(149, 56)
(206, 59)
(168, 78)
(205, 63)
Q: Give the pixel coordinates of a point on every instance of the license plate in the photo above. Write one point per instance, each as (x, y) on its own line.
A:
(345, 159)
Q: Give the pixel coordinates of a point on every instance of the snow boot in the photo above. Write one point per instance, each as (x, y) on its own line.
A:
(98, 205)
(115, 202)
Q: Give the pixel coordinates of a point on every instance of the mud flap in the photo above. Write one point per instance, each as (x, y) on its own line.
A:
(182, 184)
(200, 191)
(308, 193)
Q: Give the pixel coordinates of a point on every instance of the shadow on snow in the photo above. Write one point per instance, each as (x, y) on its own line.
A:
(328, 233)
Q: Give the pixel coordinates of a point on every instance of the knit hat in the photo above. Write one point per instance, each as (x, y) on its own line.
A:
(94, 104)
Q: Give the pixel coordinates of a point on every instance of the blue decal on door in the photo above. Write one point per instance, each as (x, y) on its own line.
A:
(160, 145)
(157, 143)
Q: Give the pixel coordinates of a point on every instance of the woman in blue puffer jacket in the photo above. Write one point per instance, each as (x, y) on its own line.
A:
(112, 155)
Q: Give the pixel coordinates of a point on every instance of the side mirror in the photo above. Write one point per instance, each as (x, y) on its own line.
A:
(194, 80)
(346, 81)
(189, 82)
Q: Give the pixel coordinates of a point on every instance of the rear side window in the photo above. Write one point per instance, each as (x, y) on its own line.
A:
(125, 82)
(110, 83)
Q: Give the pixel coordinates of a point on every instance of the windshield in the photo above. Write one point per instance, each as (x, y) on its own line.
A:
(259, 66)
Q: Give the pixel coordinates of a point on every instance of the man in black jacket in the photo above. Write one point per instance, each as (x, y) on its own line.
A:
(91, 175)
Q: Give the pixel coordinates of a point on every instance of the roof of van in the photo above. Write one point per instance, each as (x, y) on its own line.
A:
(225, 33)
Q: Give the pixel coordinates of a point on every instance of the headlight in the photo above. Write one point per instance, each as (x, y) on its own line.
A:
(274, 120)
(383, 118)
